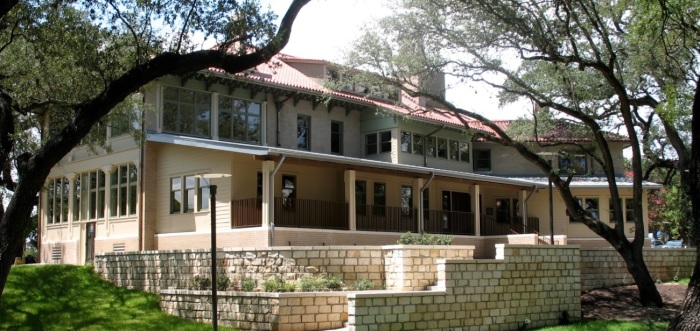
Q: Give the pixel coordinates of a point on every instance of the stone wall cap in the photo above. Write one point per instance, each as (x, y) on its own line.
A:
(394, 294)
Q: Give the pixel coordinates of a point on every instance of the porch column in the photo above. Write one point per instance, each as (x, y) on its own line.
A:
(71, 202)
(350, 177)
(417, 186)
(107, 208)
(268, 194)
(477, 210)
(523, 210)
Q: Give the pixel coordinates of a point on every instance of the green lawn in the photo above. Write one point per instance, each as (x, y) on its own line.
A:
(599, 325)
(61, 297)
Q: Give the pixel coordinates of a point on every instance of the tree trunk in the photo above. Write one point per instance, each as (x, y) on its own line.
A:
(689, 317)
(648, 293)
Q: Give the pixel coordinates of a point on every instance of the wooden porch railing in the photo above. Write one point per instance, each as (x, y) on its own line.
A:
(386, 219)
(449, 222)
(303, 213)
(246, 213)
(490, 227)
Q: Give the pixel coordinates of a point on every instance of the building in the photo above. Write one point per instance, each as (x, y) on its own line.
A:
(308, 166)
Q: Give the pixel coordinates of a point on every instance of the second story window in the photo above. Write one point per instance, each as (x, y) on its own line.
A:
(89, 196)
(57, 201)
(482, 160)
(575, 163)
(336, 137)
(122, 194)
(378, 142)
(303, 132)
(239, 120)
(186, 111)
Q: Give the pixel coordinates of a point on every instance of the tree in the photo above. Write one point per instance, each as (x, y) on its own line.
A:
(587, 62)
(71, 62)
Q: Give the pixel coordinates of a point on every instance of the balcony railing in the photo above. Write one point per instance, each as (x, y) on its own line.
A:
(491, 227)
(303, 213)
(386, 219)
(246, 213)
(449, 222)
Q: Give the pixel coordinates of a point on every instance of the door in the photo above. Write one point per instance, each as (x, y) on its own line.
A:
(89, 243)
(456, 207)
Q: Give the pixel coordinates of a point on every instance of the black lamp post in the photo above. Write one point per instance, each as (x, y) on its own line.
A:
(551, 213)
(214, 308)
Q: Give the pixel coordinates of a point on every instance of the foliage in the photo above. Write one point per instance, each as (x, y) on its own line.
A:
(71, 297)
(409, 238)
(248, 284)
(222, 282)
(332, 283)
(319, 283)
(278, 284)
(200, 282)
(602, 325)
(673, 210)
(364, 285)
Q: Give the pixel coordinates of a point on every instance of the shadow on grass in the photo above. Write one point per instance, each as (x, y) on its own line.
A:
(602, 325)
(61, 297)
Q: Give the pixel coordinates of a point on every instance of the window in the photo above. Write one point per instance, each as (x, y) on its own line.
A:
(121, 124)
(444, 148)
(186, 111)
(441, 148)
(576, 163)
(188, 193)
(378, 142)
(406, 200)
(303, 132)
(360, 196)
(454, 150)
(57, 196)
(588, 204)
(430, 147)
(406, 142)
(89, 196)
(426, 204)
(240, 120)
(289, 192)
(379, 198)
(627, 212)
(122, 195)
(417, 144)
(482, 160)
(463, 151)
(336, 137)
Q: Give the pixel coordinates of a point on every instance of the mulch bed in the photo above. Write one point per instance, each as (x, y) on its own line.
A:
(622, 303)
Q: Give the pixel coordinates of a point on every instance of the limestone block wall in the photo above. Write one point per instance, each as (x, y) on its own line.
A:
(532, 283)
(261, 311)
(602, 267)
(414, 267)
(158, 270)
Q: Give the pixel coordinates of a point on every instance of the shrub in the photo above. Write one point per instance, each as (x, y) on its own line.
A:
(222, 282)
(364, 285)
(332, 283)
(424, 239)
(248, 284)
(277, 284)
(309, 283)
(201, 282)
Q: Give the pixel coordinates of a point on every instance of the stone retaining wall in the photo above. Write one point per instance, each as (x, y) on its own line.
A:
(409, 267)
(261, 311)
(536, 284)
(601, 267)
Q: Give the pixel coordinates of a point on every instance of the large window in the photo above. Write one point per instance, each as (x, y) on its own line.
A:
(575, 163)
(240, 120)
(58, 192)
(289, 192)
(627, 205)
(482, 160)
(443, 148)
(360, 196)
(378, 142)
(188, 193)
(89, 196)
(406, 200)
(379, 198)
(588, 204)
(303, 132)
(186, 111)
(122, 194)
(336, 137)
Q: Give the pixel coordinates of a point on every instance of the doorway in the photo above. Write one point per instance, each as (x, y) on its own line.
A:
(89, 243)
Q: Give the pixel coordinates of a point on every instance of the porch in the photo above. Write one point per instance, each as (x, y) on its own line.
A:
(316, 214)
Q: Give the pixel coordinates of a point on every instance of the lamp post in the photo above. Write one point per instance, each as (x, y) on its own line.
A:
(550, 158)
(212, 213)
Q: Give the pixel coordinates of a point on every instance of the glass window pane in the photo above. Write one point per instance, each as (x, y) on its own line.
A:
(431, 147)
(303, 132)
(405, 141)
(454, 150)
(629, 210)
(417, 144)
(385, 137)
(464, 151)
(225, 124)
(175, 195)
(371, 144)
(442, 148)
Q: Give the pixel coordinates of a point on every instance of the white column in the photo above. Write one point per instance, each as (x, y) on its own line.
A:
(350, 178)
(477, 210)
(417, 185)
(268, 196)
(108, 195)
(71, 195)
(523, 209)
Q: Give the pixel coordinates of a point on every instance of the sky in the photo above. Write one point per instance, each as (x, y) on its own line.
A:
(325, 28)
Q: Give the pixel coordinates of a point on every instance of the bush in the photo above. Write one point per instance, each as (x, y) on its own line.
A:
(201, 282)
(332, 283)
(248, 284)
(222, 282)
(309, 283)
(277, 284)
(424, 239)
(364, 285)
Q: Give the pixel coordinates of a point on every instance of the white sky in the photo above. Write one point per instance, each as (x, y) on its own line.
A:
(324, 28)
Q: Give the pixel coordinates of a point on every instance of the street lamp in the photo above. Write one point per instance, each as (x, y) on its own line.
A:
(550, 158)
(212, 207)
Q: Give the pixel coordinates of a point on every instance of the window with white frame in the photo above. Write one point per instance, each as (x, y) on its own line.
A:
(186, 111)
(188, 193)
(577, 164)
(627, 205)
(122, 194)
(57, 197)
(240, 120)
(89, 196)
(437, 147)
(378, 142)
(589, 204)
(303, 132)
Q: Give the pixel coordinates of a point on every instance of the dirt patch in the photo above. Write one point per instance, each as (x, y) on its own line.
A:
(622, 303)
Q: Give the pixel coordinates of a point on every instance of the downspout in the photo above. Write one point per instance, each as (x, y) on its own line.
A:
(425, 144)
(421, 214)
(142, 147)
(272, 192)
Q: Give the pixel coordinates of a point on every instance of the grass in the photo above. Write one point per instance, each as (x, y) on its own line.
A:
(600, 325)
(62, 297)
